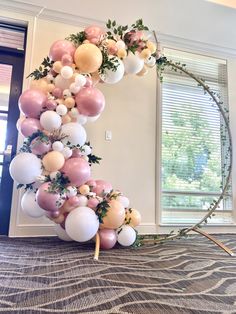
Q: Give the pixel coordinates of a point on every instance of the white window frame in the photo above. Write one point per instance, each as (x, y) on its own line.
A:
(213, 51)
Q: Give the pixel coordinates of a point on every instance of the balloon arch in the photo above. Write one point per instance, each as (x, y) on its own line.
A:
(55, 161)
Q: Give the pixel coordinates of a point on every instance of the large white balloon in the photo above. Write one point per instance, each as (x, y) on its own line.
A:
(82, 224)
(133, 64)
(61, 233)
(75, 133)
(126, 235)
(112, 77)
(50, 120)
(25, 168)
(29, 205)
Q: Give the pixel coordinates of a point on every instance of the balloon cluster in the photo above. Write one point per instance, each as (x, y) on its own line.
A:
(55, 160)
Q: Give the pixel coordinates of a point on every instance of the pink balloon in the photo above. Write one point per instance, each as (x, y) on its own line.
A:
(51, 104)
(48, 200)
(31, 102)
(91, 183)
(57, 92)
(93, 203)
(89, 82)
(38, 147)
(29, 126)
(102, 187)
(90, 101)
(94, 32)
(76, 152)
(66, 59)
(108, 238)
(60, 48)
(76, 201)
(77, 170)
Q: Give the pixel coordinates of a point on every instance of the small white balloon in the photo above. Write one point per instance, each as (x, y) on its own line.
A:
(74, 112)
(80, 80)
(50, 120)
(150, 62)
(53, 175)
(126, 235)
(83, 201)
(74, 88)
(82, 224)
(61, 233)
(66, 93)
(25, 168)
(67, 152)
(58, 146)
(93, 119)
(66, 72)
(61, 109)
(29, 205)
(61, 82)
(133, 64)
(71, 191)
(50, 78)
(81, 119)
(75, 134)
(86, 150)
(120, 44)
(123, 200)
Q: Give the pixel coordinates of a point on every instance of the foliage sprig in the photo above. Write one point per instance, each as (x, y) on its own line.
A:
(43, 69)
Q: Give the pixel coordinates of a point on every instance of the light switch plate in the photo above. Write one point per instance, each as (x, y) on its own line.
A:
(108, 135)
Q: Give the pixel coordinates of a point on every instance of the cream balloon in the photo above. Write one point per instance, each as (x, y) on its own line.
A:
(126, 235)
(111, 76)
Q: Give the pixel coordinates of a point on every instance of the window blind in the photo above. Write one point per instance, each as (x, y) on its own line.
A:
(194, 139)
(12, 36)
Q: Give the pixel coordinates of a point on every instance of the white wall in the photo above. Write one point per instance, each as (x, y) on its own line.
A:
(129, 160)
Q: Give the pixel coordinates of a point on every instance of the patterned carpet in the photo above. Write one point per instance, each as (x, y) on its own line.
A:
(46, 275)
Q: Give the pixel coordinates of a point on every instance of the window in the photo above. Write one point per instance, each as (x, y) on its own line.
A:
(193, 158)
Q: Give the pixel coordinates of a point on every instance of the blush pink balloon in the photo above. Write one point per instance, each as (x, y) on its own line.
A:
(89, 82)
(66, 59)
(47, 200)
(77, 201)
(38, 147)
(91, 183)
(94, 32)
(60, 48)
(76, 152)
(77, 170)
(51, 104)
(90, 101)
(102, 187)
(31, 102)
(57, 92)
(108, 238)
(29, 126)
(93, 203)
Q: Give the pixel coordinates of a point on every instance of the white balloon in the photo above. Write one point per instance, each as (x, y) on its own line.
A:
(93, 119)
(150, 62)
(86, 150)
(74, 88)
(61, 110)
(61, 233)
(50, 120)
(67, 152)
(126, 235)
(80, 80)
(112, 77)
(83, 200)
(66, 93)
(133, 64)
(53, 175)
(81, 119)
(58, 146)
(29, 205)
(120, 44)
(71, 191)
(66, 72)
(61, 82)
(50, 78)
(25, 168)
(82, 224)
(123, 200)
(75, 133)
